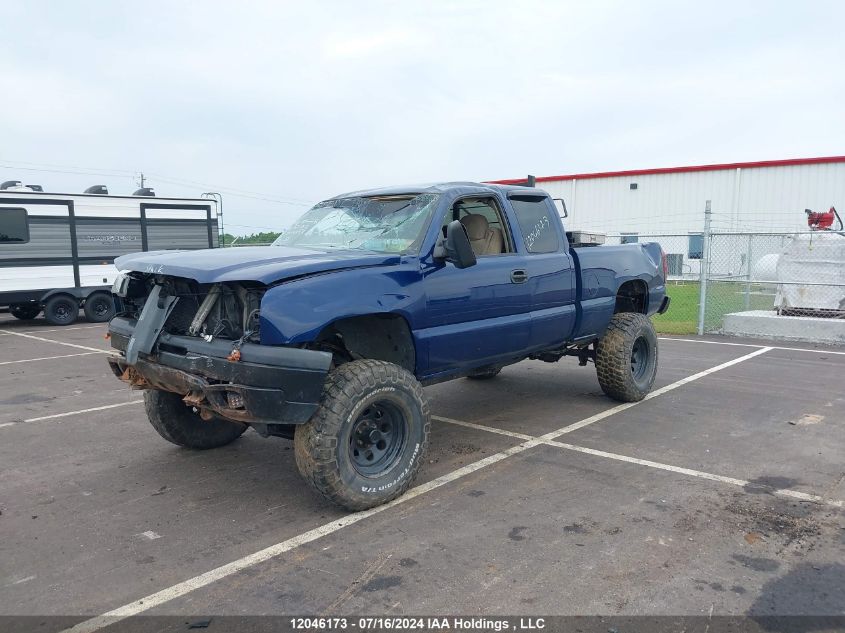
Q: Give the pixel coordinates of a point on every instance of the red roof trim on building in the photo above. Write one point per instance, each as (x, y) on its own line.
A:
(679, 170)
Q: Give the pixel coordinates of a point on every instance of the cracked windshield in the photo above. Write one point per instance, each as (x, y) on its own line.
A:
(386, 224)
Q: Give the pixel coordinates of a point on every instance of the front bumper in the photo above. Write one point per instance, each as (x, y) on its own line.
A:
(268, 385)
(664, 305)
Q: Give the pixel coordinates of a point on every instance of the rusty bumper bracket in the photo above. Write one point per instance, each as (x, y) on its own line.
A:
(240, 403)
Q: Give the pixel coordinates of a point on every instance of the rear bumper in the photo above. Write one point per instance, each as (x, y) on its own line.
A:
(269, 385)
(664, 305)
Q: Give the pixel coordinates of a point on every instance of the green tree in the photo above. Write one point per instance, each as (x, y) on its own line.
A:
(263, 237)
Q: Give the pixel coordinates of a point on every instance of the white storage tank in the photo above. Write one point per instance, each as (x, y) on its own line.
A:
(817, 256)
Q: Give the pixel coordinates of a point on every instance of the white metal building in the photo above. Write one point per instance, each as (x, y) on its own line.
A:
(764, 196)
(761, 196)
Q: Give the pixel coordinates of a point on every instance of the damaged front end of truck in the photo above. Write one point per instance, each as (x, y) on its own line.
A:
(202, 341)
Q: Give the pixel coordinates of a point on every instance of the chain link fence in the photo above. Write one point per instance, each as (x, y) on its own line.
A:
(793, 274)
(712, 274)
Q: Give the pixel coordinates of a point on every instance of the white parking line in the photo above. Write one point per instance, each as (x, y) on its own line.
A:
(653, 394)
(481, 427)
(47, 340)
(32, 360)
(59, 329)
(69, 413)
(187, 586)
(103, 326)
(91, 410)
(792, 494)
(783, 492)
(793, 349)
(182, 588)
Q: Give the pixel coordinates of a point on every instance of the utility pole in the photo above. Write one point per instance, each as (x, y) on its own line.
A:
(142, 180)
(705, 270)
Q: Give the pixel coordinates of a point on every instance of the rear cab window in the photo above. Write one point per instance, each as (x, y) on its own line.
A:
(14, 226)
(537, 222)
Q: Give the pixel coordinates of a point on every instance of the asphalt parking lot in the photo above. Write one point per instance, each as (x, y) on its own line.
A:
(722, 493)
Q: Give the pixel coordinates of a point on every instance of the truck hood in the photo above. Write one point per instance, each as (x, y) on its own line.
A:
(264, 264)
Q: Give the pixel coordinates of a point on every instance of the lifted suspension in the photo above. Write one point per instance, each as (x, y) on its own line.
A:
(585, 353)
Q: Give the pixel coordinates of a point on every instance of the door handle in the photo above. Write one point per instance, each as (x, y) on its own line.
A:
(519, 276)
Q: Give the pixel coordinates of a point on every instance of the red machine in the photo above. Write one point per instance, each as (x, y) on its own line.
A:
(822, 221)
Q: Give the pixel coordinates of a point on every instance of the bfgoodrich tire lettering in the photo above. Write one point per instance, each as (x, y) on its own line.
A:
(331, 448)
(178, 423)
(626, 357)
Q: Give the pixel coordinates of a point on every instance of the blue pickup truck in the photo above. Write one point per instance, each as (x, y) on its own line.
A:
(328, 336)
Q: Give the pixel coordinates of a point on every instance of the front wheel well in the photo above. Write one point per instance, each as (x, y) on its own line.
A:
(384, 337)
(632, 296)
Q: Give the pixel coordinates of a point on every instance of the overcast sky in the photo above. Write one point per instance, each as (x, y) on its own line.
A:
(299, 101)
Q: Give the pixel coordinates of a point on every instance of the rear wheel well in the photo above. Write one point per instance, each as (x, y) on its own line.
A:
(384, 337)
(632, 296)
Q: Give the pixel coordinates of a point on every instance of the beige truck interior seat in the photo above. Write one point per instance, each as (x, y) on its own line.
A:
(484, 239)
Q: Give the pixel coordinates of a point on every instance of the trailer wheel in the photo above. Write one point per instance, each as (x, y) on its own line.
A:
(626, 357)
(25, 312)
(366, 442)
(182, 425)
(61, 310)
(99, 307)
(485, 374)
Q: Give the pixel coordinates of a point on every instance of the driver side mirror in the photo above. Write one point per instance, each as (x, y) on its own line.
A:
(455, 247)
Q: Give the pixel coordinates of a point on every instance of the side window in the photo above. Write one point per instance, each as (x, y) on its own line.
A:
(537, 224)
(695, 248)
(14, 226)
(488, 233)
(629, 238)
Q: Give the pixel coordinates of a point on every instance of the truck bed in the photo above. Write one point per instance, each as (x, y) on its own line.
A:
(600, 270)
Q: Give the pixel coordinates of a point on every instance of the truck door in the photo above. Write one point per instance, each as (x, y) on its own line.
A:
(549, 269)
(478, 315)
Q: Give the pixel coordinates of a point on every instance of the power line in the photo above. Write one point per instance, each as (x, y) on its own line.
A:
(230, 192)
(230, 189)
(60, 171)
(119, 173)
(100, 169)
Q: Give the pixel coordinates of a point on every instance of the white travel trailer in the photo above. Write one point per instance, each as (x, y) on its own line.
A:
(57, 250)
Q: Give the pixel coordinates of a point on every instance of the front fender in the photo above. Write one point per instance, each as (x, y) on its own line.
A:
(297, 311)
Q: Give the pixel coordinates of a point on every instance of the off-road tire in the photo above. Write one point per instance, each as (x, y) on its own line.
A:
(325, 445)
(615, 357)
(61, 310)
(25, 312)
(485, 374)
(178, 423)
(99, 307)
